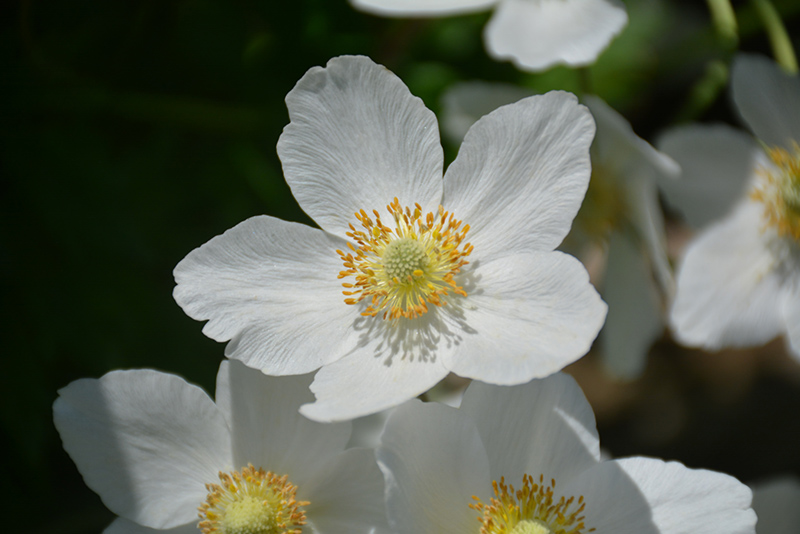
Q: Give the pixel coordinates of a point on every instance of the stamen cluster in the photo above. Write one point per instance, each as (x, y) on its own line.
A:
(533, 503)
(400, 271)
(779, 191)
(252, 502)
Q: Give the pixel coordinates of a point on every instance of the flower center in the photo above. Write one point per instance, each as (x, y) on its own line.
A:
(530, 510)
(252, 501)
(779, 191)
(400, 271)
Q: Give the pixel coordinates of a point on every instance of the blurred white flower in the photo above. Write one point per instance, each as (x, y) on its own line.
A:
(526, 460)
(534, 34)
(158, 451)
(777, 505)
(738, 284)
(484, 295)
(620, 213)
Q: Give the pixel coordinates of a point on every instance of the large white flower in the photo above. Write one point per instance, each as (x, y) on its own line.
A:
(534, 34)
(526, 460)
(159, 452)
(738, 284)
(620, 214)
(455, 274)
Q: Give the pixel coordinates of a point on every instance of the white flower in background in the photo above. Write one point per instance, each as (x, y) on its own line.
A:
(777, 505)
(455, 274)
(738, 284)
(166, 458)
(620, 213)
(526, 460)
(534, 34)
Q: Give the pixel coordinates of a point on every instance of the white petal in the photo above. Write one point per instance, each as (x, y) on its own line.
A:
(146, 442)
(271, 287)
(768, 99)
(421, 8)
(531, 315)
(777, 504)
(717, 163)
(521, 175)
(357, 139)
(434, 462)
(543, 427)
(791, 314)
(266, 428)
(346, 495)
(648, 496)
(728, 289)
(537, 34)
(634, 310)
(123, 526)
(396, 362)
(466, 102)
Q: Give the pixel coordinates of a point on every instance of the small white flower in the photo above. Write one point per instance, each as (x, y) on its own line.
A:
(440, 274)
(526, 460)
(738, 284)
(620, 214)
(534, 34)
(166, 458)
(777, 505)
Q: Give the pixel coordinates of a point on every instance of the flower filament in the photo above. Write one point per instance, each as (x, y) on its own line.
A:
(530, 510)
(252, 501)
(779, 191)
(400, 271)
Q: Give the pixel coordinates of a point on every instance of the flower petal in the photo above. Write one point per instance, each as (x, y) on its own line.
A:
(531, 315)
(791, 314)
(122, 526)
(271, 287)
(543, 427)
(146, 442)
(521, 174)
(357, 139)
(346, 495)
(728, 289)
(717, 163)
(434, 462)
(421, 8)
(537, 34)
(768, 99)
(634, 317)
(397, 362)
(266, 428)
(648, 496)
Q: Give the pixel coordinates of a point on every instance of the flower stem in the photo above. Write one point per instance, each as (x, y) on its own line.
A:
(724, 20)
(778, 37)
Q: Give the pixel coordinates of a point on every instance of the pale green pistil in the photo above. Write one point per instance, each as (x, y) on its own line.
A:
(403, 257)
(531, 526)
(249, 516)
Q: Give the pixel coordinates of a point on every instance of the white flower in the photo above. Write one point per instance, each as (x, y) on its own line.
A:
(159, 452)
(452, 470)
(620, 213)
(738, 284)
(777, 505)
(534, 34)
(425, 293)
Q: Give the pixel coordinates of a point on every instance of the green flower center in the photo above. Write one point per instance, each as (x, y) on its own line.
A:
(779, 191)
(403, 258)
(531, 526)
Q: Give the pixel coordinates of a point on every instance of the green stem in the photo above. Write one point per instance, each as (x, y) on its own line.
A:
(724, 20)
(778, 37)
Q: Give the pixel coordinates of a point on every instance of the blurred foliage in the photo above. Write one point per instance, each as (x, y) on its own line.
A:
(134, 131)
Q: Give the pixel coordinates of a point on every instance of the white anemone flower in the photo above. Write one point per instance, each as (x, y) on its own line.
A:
(738, 284)
(440, 274)
(534, 34)
(620, 213)
(166, 458)
(777, 505)
(526, 460)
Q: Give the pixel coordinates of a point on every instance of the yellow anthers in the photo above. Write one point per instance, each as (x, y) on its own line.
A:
(399, 271)
(252, 501)
(779, 191)
(533, 509)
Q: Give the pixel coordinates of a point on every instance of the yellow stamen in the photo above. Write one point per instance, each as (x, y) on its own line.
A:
(399, 271)
(779, 191)
(530, 510)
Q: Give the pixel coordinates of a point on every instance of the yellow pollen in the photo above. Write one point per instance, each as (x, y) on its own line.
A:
(533, 509)
(779, 191)
(400, 271)
(252, 501)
